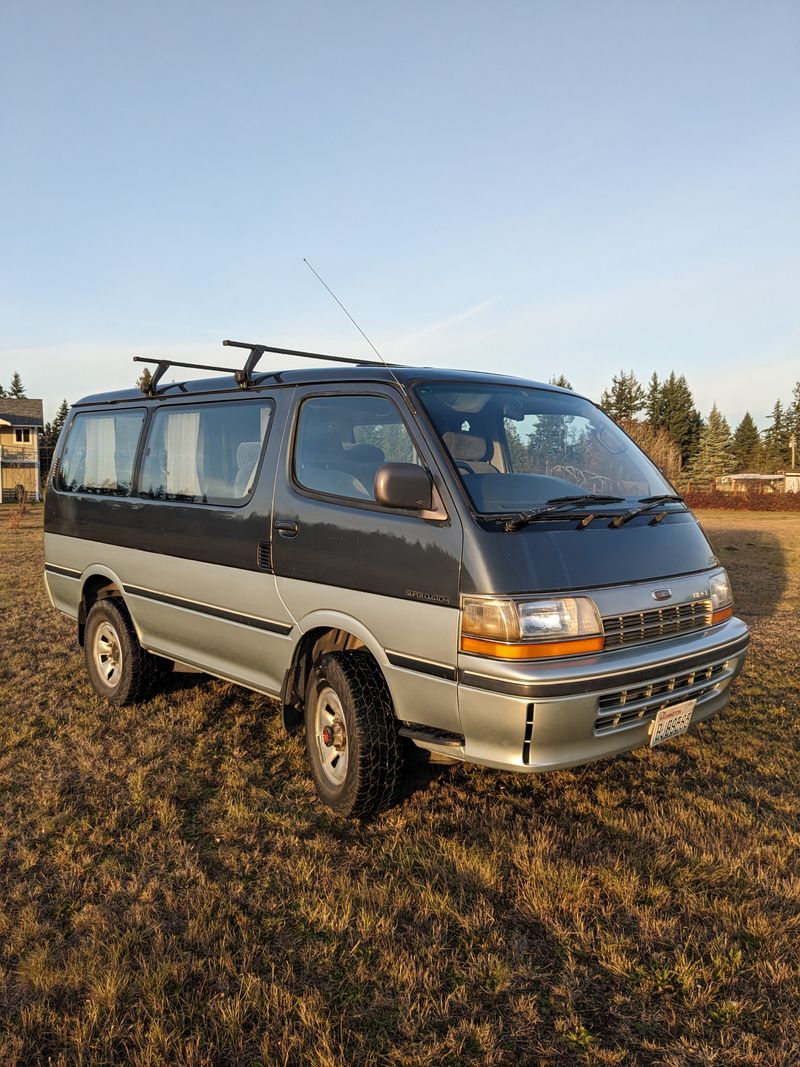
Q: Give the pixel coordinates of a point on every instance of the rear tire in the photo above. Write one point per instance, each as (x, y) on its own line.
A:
(119, 669)
(354, 749)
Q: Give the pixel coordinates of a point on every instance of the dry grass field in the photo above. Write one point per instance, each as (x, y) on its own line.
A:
(170, 892)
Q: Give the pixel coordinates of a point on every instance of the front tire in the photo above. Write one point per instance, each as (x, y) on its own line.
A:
(119, 669)
(354, 750)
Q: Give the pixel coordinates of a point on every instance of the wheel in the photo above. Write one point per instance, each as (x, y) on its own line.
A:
(119, 668)
(355, 752)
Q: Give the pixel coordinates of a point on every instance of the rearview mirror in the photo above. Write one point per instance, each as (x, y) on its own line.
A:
(404, 485)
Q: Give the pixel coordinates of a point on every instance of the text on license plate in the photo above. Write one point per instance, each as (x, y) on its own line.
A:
(671, 721)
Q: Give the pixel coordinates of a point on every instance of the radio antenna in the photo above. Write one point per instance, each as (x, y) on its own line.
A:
(325, 285)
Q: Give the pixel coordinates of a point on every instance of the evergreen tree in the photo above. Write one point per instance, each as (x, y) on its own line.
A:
(144, 379)
(57, 424)
(520, 458)
(2, 391)
(793, 414)
(715, 455)
(746, 445)
(679, 416)
(776, 440)
(16, 389)
(626, 397)
(561, 381)
(48, 438)
(654, 405)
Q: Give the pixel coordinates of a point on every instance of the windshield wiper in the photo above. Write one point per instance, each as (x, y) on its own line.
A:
(648, 503)
(557, 503)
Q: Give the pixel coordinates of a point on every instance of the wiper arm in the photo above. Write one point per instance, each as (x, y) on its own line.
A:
(648, 503)
(558, 503)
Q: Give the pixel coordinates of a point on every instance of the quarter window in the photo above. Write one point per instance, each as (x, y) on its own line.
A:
(204, 453)
(99, 453)
(343, 440)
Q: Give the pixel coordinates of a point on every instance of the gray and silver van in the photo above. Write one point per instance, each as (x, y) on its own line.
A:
(480, 566)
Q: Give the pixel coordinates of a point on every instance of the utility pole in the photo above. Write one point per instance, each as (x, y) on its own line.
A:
(793, 446)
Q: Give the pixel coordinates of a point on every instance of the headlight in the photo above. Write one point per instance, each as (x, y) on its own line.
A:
(530, 629)
(719, 586)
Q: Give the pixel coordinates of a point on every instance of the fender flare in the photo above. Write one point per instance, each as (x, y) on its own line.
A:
(326, 619)
(99, 570)
(339, 620)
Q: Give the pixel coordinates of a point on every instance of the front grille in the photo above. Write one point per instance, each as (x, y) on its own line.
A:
(629, 707)
(652, 625)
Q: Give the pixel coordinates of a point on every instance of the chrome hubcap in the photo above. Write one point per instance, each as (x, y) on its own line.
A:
(330, 735)
(107, 654)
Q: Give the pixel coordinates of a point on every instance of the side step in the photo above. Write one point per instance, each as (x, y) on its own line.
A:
(431, 736)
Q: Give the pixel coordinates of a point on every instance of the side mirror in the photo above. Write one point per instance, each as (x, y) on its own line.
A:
(404, 485)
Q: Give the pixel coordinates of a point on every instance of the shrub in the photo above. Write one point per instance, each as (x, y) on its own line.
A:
(743, 501)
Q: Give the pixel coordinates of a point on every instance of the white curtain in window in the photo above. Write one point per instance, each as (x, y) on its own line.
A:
(181, 440)
(101, 444)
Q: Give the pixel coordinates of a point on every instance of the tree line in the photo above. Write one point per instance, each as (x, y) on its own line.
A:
(663, 418)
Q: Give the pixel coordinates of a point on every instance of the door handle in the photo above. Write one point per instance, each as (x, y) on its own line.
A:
(287, 527)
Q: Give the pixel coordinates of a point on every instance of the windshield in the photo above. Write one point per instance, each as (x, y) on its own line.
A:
(518, 448)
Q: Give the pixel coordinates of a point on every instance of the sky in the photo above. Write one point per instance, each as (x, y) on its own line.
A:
(533, 188)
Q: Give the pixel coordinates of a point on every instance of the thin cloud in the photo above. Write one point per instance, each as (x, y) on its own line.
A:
(446, 324)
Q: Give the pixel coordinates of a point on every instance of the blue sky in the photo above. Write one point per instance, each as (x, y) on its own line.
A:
(531, 188)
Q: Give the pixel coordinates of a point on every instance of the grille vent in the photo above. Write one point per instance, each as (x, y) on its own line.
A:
(652, 625)
(264, 556)
(627, 707)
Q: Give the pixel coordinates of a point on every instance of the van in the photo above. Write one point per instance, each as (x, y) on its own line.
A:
(483, 567)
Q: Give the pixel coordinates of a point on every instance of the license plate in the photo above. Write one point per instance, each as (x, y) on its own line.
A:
(671, 721)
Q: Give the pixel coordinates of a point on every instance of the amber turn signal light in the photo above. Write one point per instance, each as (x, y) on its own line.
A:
(531, 650)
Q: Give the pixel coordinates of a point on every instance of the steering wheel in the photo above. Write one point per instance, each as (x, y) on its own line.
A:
(462, 465)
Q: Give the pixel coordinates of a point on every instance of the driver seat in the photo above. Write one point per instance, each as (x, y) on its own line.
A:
(470, 450)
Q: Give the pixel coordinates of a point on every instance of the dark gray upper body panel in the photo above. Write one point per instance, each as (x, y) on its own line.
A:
(365, 546)
(229, 536)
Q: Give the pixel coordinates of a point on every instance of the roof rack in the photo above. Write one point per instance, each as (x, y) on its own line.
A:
(244, 375)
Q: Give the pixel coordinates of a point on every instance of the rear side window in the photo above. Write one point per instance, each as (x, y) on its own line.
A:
(204, 453)
(100, 452)
(343, 440)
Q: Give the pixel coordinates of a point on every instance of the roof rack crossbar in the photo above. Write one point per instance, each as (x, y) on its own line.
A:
(163, 366)
(244, 375)
(261, 349)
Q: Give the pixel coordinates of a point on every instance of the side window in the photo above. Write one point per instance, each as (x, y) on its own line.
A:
(99, 453)
(343, 440)
(204, 453)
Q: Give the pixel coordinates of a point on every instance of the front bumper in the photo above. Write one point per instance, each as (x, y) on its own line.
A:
(550, 715)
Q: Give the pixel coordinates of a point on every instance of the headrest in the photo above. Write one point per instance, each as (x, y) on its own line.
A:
(320, 444)
(247, 453)
(466, 446)
(365, 454)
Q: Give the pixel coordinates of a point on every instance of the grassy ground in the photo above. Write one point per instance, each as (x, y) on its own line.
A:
(170, 892)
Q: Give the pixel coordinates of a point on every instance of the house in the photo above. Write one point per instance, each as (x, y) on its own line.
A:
(21, 424)
(784, 482)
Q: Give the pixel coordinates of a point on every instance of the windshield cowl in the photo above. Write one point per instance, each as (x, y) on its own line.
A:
(566, 504)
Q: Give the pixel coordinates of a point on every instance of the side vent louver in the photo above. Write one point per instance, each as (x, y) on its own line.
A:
(264, 556)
